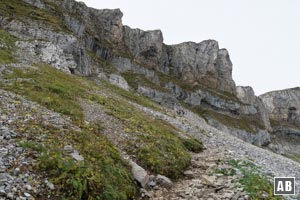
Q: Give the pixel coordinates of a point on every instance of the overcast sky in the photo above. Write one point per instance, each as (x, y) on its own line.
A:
(262, 36)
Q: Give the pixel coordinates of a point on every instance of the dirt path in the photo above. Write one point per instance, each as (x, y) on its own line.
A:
(221, 147)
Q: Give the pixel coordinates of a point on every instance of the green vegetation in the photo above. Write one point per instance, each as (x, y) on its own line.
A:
(283, 123)
(135, 79)
(226, 172)
(254, 183)
(7, 47)
(192, 88)
(20, 10)
(102, 175)
(161, 148)
(51, 88)
(293, 156)
(132, 96)
(243, 123)
(167, 78)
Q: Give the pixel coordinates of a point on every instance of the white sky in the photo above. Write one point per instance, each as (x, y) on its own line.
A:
(262, 36)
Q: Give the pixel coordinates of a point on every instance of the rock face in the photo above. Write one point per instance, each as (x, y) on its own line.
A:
(202, 63)
(102, 32)
(48, 53)
(284, 110)
(145, 46)
(253, 105)
(284, 105)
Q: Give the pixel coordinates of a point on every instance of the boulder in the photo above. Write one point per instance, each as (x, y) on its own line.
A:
(139, 174)
(118, 81)
(163, 181)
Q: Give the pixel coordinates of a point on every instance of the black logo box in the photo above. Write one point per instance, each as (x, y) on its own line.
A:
(284, 181)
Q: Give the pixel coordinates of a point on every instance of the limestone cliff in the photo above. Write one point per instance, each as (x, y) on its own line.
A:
(284, 109)
(283, 106)
(197, 75)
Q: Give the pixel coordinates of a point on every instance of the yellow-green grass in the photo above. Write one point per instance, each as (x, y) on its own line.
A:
(7, 47)
(161, 148)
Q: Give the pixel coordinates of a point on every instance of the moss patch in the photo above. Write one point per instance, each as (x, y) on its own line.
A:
(7, 47)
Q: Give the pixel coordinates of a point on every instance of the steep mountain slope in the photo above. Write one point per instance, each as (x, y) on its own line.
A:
(92, 109)
(95, 41)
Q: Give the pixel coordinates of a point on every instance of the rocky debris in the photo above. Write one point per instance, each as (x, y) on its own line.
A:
(49, 185)
(18, 180)
(188, 173)
(77, 156)
(208, 180)
(118, 81)
(220, 146)
(260, 138)
(14, 182)
(203, 182)
(140, 174)
(68, 149)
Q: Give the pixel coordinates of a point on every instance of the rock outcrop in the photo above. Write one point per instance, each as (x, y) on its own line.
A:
(203, 63)
(284, 105)
(253, 105)
(284, 110)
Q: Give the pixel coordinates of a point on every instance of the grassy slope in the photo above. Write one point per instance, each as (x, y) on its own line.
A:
(162, 150)
(7, 46)
(60, 92)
